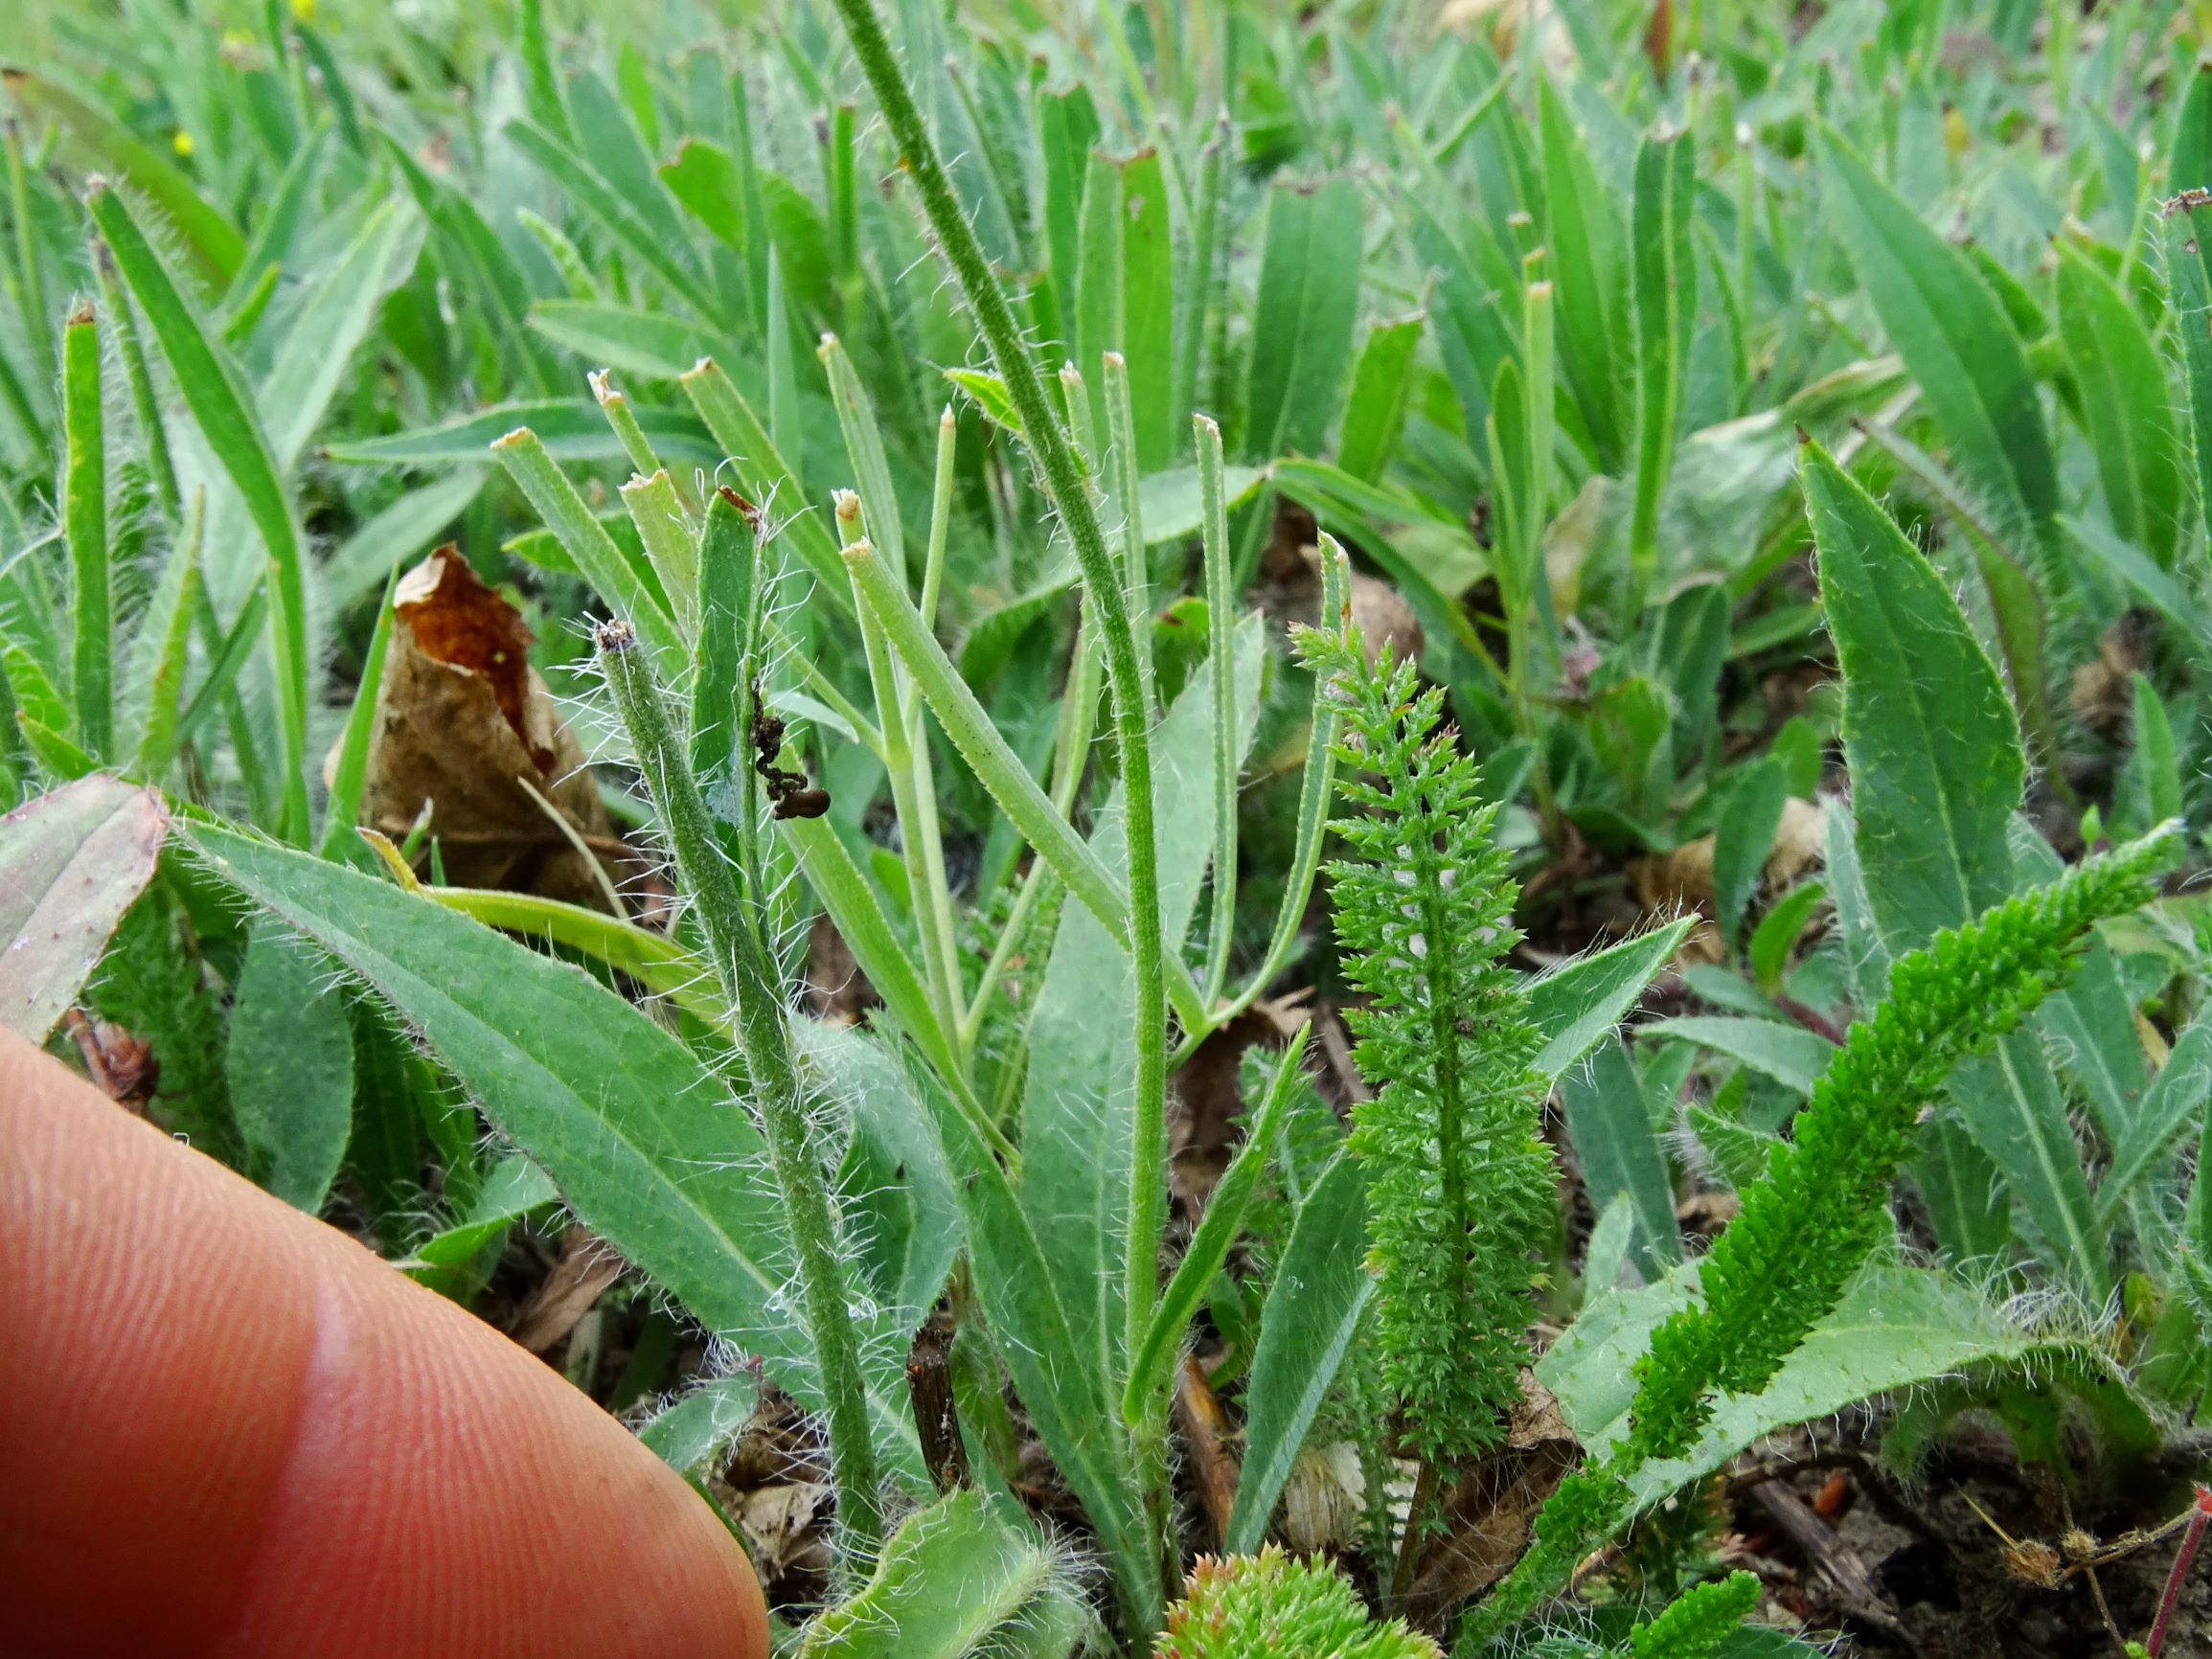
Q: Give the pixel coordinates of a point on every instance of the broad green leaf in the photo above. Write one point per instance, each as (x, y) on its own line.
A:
(1790, 1055)
(290, 1065)
(212, 392)
(643, 1141)
(1895, 1326)
(701, 1423)
(571, 429)
(1931, 737)
(1169, 502)
(1217, 1232)
(1375, 411)
(1067, 1398)
(1589, 272)
(1303, 315)
(1074, 1115)
(1067, 127)
(2090, 1031)
(1128, 295)
(2011, 1103)
(1608, 1107)
(1576, 1005)
(1313, 1310)
(2124, 406)
(2175, 1098)
(898, 1203)
(706, 179)
(2189, 270)
(2135, 567)
(1954, 338)
(72, 861)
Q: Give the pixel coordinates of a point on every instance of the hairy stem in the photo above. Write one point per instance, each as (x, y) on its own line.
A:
(748, 979)
(1071, 494)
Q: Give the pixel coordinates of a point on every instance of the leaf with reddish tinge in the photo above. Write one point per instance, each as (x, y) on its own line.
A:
(71, 863)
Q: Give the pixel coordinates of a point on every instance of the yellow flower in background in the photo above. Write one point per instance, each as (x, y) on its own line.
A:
(304, 11)
(181, 142)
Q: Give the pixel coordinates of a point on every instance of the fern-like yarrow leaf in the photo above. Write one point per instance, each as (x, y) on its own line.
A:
(1784, 1263)
(1460, 1185)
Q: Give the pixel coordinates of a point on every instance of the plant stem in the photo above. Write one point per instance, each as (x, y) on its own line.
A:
(2185, 1557)
(748, 979)
(1070, 493)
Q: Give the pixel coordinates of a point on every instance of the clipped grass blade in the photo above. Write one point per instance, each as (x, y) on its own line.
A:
(219, 403)
(71, 863)
(583, 538)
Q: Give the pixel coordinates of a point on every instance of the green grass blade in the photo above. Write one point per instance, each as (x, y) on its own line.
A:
(1308, 296)
(85, 515)
(167, 627)
(218, 404)
(1313, 1307)
(343, 811)
(1151, 1367)
(211, 240)
(1664, 291)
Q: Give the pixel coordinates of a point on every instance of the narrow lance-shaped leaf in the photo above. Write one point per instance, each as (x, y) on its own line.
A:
(1933, 743)
(212, 391)
(1664, 290)
(1954, 338)
(2125, 405)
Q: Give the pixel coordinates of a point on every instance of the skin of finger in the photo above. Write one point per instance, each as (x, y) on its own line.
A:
(228, 1430)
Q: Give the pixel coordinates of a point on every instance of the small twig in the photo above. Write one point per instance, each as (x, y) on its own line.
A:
(1206, 1427)
(2104, 1612)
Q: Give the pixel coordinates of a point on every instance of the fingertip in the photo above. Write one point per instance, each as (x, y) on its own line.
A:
(229, 1430)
